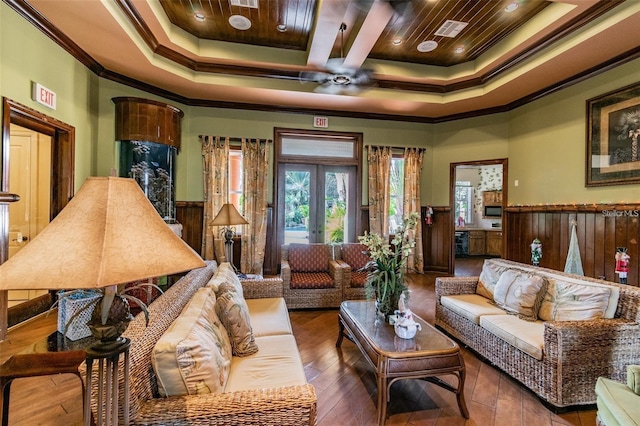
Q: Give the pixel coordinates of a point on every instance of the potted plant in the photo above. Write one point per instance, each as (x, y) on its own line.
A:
(385, 280)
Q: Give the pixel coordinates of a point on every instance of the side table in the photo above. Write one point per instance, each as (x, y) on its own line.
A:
(107, 358)
(37, 364)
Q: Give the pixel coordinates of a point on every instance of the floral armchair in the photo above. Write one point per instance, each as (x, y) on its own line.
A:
(311, 277)
(356, 257)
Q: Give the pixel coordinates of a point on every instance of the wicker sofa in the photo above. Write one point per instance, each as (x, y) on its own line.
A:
(560, 359)
(253, 405)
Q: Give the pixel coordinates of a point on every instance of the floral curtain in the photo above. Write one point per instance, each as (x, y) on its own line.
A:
(413, 158)
(255, 164)
(379, 158)
(215, 164)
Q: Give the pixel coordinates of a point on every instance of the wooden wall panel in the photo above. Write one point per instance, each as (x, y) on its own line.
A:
(600, 229)
(190, 214)
(437, 240)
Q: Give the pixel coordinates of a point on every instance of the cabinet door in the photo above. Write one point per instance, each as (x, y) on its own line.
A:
(494, 243)
(476, 242)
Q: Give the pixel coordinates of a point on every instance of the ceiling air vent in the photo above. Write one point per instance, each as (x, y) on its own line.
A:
(245, 3)
(451, 28)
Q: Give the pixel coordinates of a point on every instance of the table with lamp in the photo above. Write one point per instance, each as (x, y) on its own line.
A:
(108, 235)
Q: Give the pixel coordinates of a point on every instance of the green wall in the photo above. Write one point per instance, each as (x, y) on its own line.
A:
(547, 146)
(544, 140)
(27, 55)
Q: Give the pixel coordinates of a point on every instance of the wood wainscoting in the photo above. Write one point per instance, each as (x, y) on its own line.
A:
(601, 228)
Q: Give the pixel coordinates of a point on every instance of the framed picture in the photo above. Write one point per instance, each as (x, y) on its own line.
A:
(613, 138)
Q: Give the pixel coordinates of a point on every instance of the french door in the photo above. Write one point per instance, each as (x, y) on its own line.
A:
(318, 203)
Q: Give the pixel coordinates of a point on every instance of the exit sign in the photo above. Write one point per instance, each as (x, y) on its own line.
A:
(43, 96)
(320, 122)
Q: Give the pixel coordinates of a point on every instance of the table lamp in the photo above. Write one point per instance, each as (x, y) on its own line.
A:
(108, 234)
(226, 217)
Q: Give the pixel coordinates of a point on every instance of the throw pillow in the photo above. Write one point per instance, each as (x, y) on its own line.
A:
(519, 293)
(226, 279)
(308, 257)
(194, 355)
(567, 301)
(233, 311)
(488, 279)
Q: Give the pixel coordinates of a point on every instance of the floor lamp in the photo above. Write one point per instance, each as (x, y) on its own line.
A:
(227, 217)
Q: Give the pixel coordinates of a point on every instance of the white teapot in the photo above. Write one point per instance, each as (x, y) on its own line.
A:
(405, 326)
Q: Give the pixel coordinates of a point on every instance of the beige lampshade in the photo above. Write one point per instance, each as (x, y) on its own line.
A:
(108, 234)
(228, 215)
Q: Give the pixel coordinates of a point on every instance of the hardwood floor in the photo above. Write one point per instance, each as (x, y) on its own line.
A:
(344, 383)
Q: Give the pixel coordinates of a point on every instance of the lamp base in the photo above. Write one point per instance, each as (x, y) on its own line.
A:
(117, 321)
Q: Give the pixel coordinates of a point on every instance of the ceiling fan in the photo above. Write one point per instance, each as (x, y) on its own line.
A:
(339, 79)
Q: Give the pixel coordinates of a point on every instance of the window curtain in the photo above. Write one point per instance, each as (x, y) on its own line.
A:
(255, 164)
(379, 158)
(413, 158)
(215, 165)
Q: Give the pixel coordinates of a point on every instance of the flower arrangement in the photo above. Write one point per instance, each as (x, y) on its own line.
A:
(385, 280)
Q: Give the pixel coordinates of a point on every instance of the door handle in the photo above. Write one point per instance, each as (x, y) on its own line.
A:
(7, 197)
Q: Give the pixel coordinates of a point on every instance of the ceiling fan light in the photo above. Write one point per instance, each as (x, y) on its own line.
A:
(427, 46)
(511, 7)
(239, 22)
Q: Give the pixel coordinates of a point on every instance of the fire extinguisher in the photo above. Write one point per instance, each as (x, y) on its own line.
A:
(428, 217)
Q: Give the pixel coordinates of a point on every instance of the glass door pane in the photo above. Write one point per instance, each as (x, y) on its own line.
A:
(339, 204)
(297, 199)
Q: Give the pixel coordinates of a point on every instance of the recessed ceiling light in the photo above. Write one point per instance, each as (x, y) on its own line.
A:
(459, 49)
(239, 22)
(397, 42)
(199, 17)
(511, 7)
(427, 46)
(281, 27)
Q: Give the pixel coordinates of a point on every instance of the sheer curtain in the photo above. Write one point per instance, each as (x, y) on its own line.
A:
(413, 158)
(255, 164)
(215, 164)
(379, 158)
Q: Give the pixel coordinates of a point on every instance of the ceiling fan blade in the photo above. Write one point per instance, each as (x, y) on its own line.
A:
(314, 76)
(329, 89)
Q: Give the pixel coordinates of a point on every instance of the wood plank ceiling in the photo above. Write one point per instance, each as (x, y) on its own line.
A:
(392, 52)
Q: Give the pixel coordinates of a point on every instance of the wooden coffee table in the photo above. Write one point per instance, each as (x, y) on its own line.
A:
(426, 356)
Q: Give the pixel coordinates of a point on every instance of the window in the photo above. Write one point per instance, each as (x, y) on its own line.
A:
(396, 193)
(464, 202)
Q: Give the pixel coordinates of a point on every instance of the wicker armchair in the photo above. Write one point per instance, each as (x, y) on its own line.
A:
(311, 277)
(355, 256)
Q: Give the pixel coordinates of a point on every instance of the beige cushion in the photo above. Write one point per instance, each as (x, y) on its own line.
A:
(519, 293)
(269, 317)
(570, 301)
(633, 378)
(277, 364)
(233, 312)
(488, 279)
(528, 336)
(194, 355)
(470, 306)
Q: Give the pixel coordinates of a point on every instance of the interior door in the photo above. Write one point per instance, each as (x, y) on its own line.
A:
(318, 202)
(30, 178)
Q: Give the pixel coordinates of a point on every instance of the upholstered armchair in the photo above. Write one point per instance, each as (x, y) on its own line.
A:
(311, 277)
(356, 257)
(619, 404)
